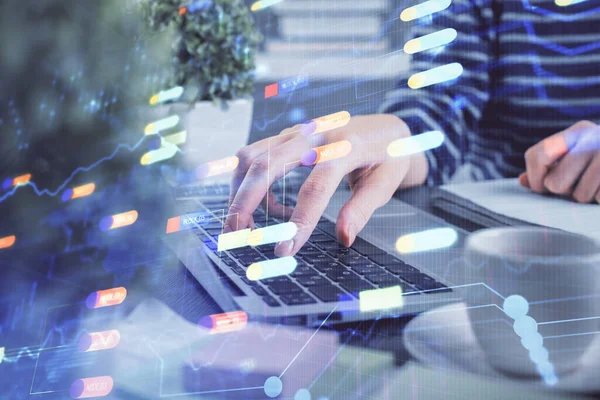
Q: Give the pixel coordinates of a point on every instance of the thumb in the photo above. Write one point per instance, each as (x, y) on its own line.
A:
(368, 194)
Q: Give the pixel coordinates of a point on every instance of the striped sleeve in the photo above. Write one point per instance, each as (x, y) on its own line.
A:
(453, 107)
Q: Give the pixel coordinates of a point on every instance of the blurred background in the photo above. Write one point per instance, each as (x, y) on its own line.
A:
(74, 73)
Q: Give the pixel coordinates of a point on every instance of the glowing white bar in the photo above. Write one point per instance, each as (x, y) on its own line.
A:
(381, 299)
(272, 234)
(259, 5)
(271, 268)
(424, 9)
(566, 3)
(435, 75)
(427, 42)
(164, 153)
(155, 127)
(176, 138)
(427, 240)
(415, 144)
(233, 240)
(166, 95)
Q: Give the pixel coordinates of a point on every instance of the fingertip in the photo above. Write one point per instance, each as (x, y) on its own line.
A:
(524, 181)
(284, 249)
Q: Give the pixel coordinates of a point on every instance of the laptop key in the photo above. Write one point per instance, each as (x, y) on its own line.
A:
(365, 248)
(315, 258)
(211, 245)
(402, 269)
(238, 270)
(327, 227)
(328, 266)
(268, 246)
(342, 252)
(385, 260)
(227, 261)
(340, 274)
(414, 279)
(214, 231)
(351, 260)
(366, 267)
(271, 301)
(329, 294)
(428, 283)
(247, 260)
(276, 279)
(296, 299)
(241, 251)
(318, 238)
(355, 286)
(316, 280)
(259, 290)
(304, 271)
(387, 280)
(284, 288)
(249, 282)
(308, 251)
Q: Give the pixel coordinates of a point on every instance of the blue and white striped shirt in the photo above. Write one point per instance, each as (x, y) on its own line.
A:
(531, 69)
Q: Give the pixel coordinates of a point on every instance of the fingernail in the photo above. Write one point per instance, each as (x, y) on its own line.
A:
(284, 249)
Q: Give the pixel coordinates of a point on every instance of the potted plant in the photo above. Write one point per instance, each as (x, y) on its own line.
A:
(213, 59)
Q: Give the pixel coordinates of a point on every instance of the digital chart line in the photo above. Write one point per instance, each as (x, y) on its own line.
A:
(308, 341)
(73, 174)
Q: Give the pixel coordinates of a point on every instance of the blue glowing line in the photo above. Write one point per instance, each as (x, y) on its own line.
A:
(78, 170)
(571, 334)
(567, 320)
(211, 391)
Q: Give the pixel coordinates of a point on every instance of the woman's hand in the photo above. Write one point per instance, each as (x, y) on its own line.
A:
(567, 163)
(374, 176)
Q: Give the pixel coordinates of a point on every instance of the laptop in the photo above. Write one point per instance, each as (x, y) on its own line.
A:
(328, 280)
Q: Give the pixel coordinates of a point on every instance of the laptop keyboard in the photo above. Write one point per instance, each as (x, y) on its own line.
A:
(326, 271)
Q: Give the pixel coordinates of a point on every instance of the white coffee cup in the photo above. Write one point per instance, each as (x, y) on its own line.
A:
(537, 309)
